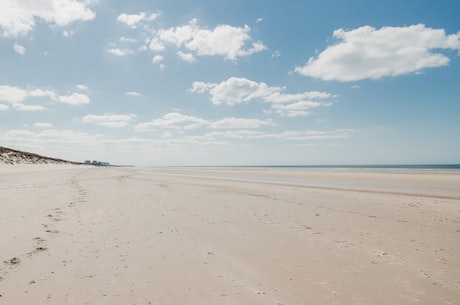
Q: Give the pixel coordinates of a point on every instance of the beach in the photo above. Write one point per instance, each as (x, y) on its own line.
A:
(106, 235)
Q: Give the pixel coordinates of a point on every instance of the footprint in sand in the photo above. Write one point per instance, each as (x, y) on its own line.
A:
(13, 261)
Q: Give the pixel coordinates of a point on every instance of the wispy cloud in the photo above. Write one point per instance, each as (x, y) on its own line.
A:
(369, 53)
(240, 123)
(110, 120)
(133, 93)
(178, 121)
(42, 125)
(173, 120)
(82, 87)
(19, 49)
(25, 107)
(120, 52)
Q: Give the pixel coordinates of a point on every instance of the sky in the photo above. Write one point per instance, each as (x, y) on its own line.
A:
(203, 82)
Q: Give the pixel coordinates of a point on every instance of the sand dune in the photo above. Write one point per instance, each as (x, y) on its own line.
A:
(11, 156)
(87, 235)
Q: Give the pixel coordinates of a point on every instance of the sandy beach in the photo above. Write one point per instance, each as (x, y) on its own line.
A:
(85, 235)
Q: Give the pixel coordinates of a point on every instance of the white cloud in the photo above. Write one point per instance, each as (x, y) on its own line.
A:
(369, 53)
(12, 94)
(120, 52)
(82, 87)
(18, 17)
(66, 33)
(258, 20)
(17, 96)
(23, 107)
(302, 108)
(74, 99)
(156, 45)
(133, 93)
(239, 123)
(19, 49)
(110, 120)
(173, 120)
(178, 121)
(190, 40)
(293, 135)
(307, 135)
(224, 40)
(234, 90)
(127, 39)
(43, 93)
(188, 57)
(42, 125)
(157, 59)
(133, 19)
(4, 107)
(241, 90)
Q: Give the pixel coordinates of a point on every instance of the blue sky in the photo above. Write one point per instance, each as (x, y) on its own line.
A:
(232, 83)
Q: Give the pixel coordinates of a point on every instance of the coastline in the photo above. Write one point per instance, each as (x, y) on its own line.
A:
(228, 235)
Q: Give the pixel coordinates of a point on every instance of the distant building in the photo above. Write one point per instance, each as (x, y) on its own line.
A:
(97, 163)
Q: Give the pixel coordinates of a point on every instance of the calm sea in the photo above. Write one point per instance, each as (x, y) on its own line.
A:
(367, 166)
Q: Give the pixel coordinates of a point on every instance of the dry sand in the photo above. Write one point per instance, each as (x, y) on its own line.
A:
(84, 235)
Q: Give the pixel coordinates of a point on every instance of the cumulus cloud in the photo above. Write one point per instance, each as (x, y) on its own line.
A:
(157, 59)
(178, 121)
(132, 20)
(241, 90)
(188, 57)
(156, 45)
(82, 87)
(74, 99)
(110, 120)
(12, 94)
(19, 49)
(17, 96)
(18, 17)
(4, 107)
(369, 53)
(43, 93)
(224, 40)
(190, 40)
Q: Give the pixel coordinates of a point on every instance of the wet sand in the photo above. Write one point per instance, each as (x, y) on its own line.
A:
(86, 235)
